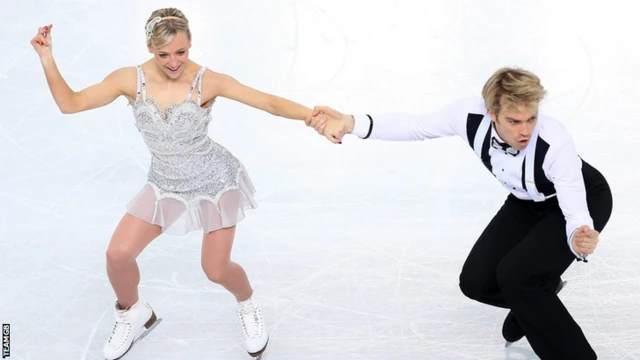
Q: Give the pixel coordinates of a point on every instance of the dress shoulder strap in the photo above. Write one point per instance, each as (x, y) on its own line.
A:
(197, 82)
(141, 89)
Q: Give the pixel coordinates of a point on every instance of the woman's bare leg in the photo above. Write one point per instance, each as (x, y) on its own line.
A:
(130, 237)
(217, 265)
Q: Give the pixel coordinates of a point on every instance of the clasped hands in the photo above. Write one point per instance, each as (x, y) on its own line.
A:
(330, 123)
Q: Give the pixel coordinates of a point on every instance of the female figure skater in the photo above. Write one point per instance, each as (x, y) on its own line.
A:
(193, 182)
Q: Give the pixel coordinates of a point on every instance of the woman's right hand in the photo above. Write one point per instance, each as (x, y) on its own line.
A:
(42, 41)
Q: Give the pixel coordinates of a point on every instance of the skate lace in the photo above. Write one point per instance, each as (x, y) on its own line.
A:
(251, 319)
(121, 329)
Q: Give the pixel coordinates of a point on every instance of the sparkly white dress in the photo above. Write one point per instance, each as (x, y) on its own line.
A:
(193, 182)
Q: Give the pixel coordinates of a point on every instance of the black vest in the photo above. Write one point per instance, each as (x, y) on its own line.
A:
(479, 138)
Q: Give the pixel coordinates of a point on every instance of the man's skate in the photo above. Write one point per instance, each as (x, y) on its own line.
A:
(255, 334)
(511, 329)
(131, 326)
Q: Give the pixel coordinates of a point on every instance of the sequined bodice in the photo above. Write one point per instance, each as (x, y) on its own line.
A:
(183, 156)
(179, 131)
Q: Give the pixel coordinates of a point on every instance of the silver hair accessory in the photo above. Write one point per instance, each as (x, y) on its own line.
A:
(151, 25)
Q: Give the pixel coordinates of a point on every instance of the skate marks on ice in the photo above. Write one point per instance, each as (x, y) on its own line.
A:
(518, 353)
(70, 176)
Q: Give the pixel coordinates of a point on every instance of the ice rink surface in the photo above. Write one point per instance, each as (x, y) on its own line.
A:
(355, 249)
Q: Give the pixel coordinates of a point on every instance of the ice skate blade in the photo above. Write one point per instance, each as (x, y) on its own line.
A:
(146, 332)
(507, 344)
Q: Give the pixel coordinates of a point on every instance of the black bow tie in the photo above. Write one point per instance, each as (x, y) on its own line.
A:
(504, 147)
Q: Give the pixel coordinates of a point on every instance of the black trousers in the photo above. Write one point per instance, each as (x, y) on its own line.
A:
(517, 262)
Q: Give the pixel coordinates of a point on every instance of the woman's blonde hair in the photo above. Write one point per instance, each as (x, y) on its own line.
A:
(512, 88)
(163, 25)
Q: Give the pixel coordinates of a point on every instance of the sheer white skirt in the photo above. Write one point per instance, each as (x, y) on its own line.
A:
(178, 215)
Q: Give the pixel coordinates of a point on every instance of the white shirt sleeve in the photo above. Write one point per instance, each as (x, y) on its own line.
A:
(565, 171)
(448, 121)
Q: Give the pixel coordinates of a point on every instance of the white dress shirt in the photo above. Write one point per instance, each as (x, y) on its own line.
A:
(557, 169)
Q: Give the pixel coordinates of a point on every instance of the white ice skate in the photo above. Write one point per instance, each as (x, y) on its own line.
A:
(131, 326)
(255, 334)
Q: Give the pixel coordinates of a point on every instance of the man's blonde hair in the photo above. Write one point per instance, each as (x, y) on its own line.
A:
(163, 25)
(511, 88)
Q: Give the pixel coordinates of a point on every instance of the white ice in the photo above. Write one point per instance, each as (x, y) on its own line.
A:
(356, 249)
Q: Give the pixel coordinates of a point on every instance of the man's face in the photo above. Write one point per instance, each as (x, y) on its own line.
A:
(515, 126)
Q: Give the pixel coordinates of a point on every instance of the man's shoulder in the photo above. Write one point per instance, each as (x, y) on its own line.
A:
(552, 130)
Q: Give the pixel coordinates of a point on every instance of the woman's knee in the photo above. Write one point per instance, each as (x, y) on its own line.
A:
(119, 256)
(129, 238)
(216, 273)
